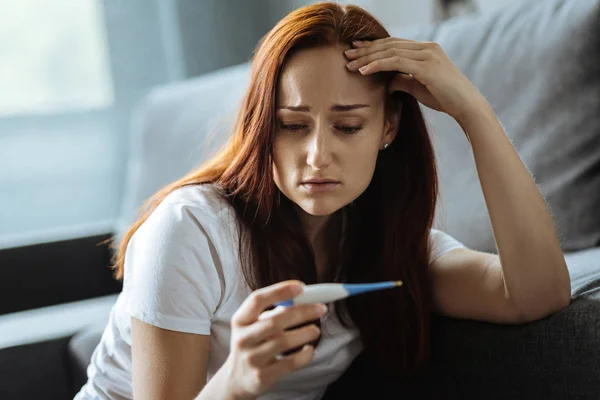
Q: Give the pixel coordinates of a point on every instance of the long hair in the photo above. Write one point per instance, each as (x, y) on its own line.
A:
(388, 233)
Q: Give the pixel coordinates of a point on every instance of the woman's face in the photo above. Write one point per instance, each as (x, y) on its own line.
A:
(330, 126)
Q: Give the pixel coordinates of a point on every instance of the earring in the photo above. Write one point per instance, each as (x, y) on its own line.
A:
(385, 146)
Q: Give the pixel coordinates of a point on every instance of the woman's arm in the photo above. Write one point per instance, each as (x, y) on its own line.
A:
(534, 271)
(529, 279)
(170, 365)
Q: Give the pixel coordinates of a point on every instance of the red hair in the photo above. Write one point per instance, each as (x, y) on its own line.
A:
(388, 233)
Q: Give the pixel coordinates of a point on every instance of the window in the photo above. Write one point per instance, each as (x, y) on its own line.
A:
(54, 57)
(71, 72)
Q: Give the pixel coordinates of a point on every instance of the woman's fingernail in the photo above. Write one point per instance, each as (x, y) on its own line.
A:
(363, 69)
(297, 288)
(351, 64)
(358, 42)
(350, 51)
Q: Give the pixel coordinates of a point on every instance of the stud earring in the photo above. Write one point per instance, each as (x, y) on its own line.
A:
(385, 146)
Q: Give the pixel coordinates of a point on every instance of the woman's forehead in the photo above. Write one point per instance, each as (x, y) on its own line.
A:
(319, 76)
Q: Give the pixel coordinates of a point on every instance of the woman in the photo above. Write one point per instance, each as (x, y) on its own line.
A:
(329, 176)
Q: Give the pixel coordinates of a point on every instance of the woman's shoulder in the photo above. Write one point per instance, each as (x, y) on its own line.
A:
(441, 243)
(208, 197)
(180, 261)
(203, 202)
(189, 212)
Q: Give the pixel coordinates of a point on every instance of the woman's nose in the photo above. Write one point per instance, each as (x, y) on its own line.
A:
(319, 151)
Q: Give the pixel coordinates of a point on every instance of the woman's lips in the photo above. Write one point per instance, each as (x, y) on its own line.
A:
(314, 187)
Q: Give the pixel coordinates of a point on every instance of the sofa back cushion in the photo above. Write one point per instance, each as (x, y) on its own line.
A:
(538, 65)
(174, 129)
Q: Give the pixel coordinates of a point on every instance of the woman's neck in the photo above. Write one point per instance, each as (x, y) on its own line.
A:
(324, 235)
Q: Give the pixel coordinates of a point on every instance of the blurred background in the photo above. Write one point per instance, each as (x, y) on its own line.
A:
(72, 75)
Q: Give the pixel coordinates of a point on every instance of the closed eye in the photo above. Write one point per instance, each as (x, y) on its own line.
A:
(348, 130)
(293, 127)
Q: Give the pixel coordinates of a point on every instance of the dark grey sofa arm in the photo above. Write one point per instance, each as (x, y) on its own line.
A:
(554, 358)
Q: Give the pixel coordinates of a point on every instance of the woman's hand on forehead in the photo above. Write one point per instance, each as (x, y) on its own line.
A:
(424, 71)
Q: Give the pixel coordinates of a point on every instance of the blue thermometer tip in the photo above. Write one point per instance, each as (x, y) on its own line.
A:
(287, 303)
(356, 288)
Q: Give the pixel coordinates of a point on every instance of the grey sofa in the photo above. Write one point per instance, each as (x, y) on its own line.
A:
(538, 66)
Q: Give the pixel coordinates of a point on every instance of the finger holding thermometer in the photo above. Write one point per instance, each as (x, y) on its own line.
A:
(329, 292)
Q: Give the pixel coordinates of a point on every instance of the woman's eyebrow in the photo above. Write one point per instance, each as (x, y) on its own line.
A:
(335, 107)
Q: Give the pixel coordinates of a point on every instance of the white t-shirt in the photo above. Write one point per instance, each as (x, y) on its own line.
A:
(182, 273)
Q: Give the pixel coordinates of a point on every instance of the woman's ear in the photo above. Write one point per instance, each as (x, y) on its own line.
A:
(392, 122)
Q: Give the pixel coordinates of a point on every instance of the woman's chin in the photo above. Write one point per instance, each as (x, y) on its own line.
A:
(319, 208)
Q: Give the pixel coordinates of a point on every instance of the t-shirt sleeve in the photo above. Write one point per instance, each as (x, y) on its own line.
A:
(171, 270)
(442, 243)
